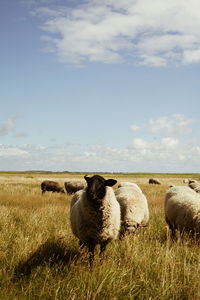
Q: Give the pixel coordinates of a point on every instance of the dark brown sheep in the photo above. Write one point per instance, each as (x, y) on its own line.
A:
(154, 181)
(51, 186)
(72, 186)
(195, 185)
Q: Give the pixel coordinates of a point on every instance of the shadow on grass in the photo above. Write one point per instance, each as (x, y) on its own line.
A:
(54, 252)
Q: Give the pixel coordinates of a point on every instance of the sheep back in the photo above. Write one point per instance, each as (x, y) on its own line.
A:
(128, 184)
(195, 186)
(72, 186)
(51, 186)
(134, 207)
(182, 209)
(154, 181)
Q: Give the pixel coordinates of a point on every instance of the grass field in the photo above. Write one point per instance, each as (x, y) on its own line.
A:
(39, 256)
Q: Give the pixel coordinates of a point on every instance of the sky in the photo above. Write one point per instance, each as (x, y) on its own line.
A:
(100, 85)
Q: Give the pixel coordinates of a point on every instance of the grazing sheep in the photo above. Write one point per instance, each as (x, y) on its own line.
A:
(134, 208)
(95, 214)
(127, 183)
(51, 186)
(186, 181)
(154, 181)
(182, 210)
(192, 181)
(193, 184)
(72, 186)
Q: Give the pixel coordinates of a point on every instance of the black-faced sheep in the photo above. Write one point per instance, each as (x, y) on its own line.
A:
(182, 210)
(95, 214)
(51, 186)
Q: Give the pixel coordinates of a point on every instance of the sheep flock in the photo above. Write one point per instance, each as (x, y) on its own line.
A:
(101, 212)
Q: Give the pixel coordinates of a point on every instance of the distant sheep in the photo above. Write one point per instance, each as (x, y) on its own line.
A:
(134, 208)
(51, 186)
(154, 181)
(186, 181)
(72, 186)
(192, 181)
(195, 186)
(95, 214)
(182, 210)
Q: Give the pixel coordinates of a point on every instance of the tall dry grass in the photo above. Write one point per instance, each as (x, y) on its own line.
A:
(40, 258)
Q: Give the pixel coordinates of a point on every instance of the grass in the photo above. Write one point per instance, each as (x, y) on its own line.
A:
(40, 257)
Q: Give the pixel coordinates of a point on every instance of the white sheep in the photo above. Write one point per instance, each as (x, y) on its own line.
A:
(127, 183)
(72, 186)
(186, 181)
(182, 210)
(134, 208)
(95, 214)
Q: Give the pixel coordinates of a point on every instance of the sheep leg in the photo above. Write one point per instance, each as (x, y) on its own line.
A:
(172, 228)
(173, 231)
(102, 249)
(81, 244)
(91, 247)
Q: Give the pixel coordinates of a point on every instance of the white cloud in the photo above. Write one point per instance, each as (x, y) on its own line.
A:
(164, 155)
(169, 143)
(153, 60)
(175, 125)
(155, 33)
(191, 56)
(8, 126)
(163, 150)
(167, 126)
(135, 128)
(12, 151)
(139, 143)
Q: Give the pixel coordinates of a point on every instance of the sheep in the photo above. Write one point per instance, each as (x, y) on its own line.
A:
(134, 208)
(186, 181)
(192, 181)
(127, 183)
(95, 214)
(75, 198)
(51, 186)
(154, 181)
(72, 186)
(182, 210)
(193, 184)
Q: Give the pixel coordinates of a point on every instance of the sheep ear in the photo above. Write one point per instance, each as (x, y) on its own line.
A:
(110, 182)
(87, 178)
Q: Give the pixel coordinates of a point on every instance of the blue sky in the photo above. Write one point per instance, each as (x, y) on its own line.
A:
(100, 86)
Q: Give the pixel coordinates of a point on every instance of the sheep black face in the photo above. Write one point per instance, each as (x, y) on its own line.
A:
(96, 187)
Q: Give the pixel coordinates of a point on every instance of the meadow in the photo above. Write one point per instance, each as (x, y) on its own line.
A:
(40, 257)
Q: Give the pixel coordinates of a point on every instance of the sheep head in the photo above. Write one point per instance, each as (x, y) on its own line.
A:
(96, 187)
